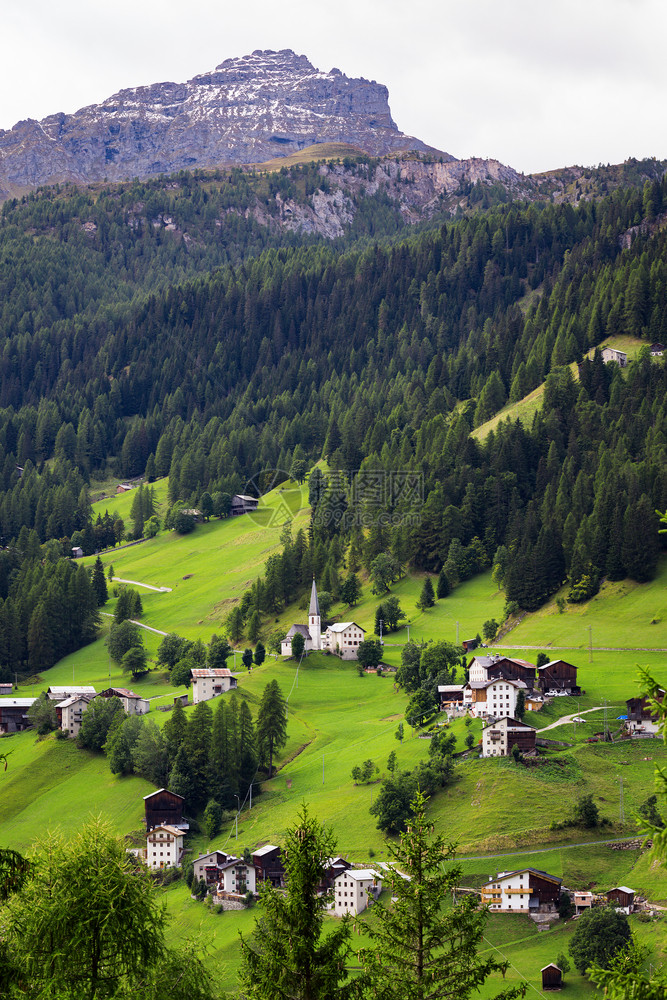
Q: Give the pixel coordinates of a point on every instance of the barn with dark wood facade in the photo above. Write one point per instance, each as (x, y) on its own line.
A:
(511, 669)
(268, 864)
(14, 714)
(552, 977)
(558, 675)
(622, 897)
(164, 808)
(641, 710)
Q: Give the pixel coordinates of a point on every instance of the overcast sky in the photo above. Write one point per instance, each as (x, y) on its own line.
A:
(536, 85)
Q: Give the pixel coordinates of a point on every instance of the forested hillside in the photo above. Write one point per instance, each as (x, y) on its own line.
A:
(212, 358)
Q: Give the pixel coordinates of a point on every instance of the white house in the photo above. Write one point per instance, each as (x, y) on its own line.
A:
(499, 737)
(164, 847)
(494, 698)
(71, 712)
(611, 354)
(237, 875)
(529, 889)
(208, 682)
(344, 638)
(353, 889)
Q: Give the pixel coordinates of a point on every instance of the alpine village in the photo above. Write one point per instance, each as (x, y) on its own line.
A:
(333, 566)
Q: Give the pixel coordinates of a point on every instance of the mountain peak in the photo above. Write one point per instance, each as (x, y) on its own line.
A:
(248, 109)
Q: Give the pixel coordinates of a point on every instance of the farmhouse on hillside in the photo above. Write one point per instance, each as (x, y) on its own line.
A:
(657, 350)
(242, 504)
(70, 712)
(164, 808)
(354, 889)
(343, 638)
(60, 693)
(14, 714)
(558, 678)
(226, 872)
(623, 898)
(164, 847)
(611, 354)
(494, 698)
(486, 668)
(133, 704)
(529, 889)
(269, 866)
(499, 737)
(209, 682)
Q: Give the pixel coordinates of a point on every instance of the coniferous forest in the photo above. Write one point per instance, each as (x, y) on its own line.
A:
(159, 328)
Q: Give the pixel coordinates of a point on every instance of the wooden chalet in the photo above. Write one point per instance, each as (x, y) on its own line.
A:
(558, 677)
(14, 714)
(622, 897)
(243, 504)
(451, 696)
(333, 868)
(470, 644)
(641, 710)
(494, 667)
(552, 977)
(164, 808)
(269, 866)
(657, 350)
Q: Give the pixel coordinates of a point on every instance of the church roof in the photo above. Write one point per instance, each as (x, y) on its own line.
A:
(314, 608)
(303, 629)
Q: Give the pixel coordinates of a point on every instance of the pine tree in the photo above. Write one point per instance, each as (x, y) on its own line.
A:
(427, 596)
(444, 588)
(271, 723)
(288, 957)
(99, 583)
(422, 950)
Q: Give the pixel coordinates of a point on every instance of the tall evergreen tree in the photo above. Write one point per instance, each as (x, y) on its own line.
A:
(288, 957)
(100, 583)
(271, 724)
(420, 949)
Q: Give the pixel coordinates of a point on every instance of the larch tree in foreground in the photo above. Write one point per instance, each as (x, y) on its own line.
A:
(423, 948)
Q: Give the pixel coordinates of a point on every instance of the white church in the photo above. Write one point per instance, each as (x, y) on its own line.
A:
(342, 638)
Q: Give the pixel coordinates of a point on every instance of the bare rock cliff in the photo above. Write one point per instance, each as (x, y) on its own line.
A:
(247, 110)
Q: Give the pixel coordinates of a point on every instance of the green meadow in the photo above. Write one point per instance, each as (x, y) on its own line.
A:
(499, 814)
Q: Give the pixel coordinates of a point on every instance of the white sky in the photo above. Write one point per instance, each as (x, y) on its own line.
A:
(537, 85)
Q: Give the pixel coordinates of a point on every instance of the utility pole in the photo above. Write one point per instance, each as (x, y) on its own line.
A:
(408, 631)
(238, 810)
(381, 623)
(621, 806)
(251, 794)
(590, 643)
(457, 633)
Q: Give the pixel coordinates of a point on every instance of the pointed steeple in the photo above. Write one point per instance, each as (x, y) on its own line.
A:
(314, 608)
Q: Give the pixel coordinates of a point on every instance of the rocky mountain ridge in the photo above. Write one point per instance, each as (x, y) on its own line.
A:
(247, 110)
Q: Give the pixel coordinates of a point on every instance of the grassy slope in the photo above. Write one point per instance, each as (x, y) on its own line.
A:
(337, 716)
(526, 408)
